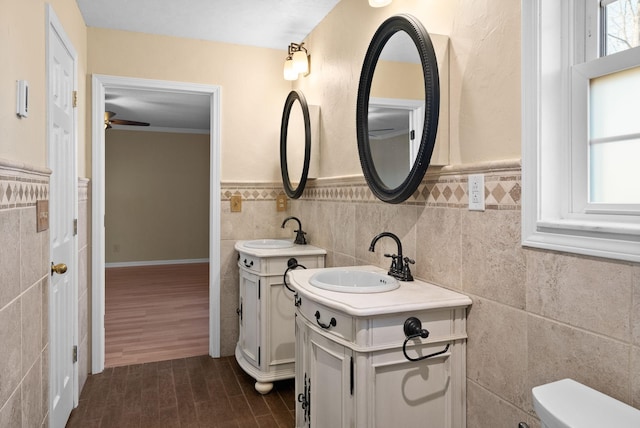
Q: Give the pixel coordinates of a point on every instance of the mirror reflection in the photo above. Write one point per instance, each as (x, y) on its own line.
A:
(396, 109)
(295, 144)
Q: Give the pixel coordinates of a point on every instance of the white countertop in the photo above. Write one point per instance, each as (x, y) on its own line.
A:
(296, 250)
(410, 296)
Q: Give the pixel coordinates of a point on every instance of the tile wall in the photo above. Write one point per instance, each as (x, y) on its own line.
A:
(24, 281)
(258, 219)
(537, 316)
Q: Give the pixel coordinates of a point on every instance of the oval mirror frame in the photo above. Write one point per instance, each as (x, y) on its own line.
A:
(286, 182)
(416, 31)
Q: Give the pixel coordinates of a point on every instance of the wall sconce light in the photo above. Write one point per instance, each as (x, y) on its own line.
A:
(297, 61)
(379, 3)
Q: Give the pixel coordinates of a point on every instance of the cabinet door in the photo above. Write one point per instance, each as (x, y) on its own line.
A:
(280, 323)
(417, 393)
(250, 317)
(329, 371)
(302, 356)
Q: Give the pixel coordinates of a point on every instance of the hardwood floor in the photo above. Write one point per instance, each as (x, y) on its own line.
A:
(156, 313)
(189, 392)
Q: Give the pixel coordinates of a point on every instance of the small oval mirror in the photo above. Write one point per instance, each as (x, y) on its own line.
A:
(295, 144)
(397, 108)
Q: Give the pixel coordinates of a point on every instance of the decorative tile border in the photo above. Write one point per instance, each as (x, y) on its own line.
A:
(443, 187)
(22, 185)
(446, 187)
(251, 191)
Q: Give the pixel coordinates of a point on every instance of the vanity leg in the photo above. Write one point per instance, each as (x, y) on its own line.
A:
(264, 387)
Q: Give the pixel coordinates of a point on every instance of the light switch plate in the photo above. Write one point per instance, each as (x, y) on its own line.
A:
(236, 203)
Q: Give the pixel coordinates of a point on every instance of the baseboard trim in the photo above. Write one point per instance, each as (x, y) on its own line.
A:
(155, 263)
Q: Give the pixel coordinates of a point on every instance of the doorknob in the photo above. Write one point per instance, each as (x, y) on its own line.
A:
(60, 268)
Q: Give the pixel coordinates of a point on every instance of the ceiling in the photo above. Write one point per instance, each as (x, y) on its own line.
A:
(263, 23)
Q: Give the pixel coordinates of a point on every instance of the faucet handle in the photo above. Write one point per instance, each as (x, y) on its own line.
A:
(393, 256)
(406, 270)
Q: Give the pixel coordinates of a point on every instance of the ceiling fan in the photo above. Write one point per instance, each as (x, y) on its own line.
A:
(109, 120)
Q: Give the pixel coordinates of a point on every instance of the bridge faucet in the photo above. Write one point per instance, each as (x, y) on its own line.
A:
(300, 239)
(399, 266)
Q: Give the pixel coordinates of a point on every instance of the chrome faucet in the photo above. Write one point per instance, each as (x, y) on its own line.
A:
(399, 265)
(300, 239)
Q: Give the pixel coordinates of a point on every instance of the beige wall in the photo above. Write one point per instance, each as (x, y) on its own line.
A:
(157, 196)
(484, 75)
(22, 42)
(398, 80)
(253, 92)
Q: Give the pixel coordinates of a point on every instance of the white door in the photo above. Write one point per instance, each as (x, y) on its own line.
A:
(61, 148)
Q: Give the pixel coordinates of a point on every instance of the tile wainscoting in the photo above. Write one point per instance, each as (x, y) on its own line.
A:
(24, 294)
(24, 281)
(537, 315)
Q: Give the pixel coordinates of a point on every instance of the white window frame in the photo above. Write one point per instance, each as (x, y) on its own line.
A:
(558, 36)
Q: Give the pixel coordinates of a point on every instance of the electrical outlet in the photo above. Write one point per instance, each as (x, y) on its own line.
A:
(476, 192)
(281, 203)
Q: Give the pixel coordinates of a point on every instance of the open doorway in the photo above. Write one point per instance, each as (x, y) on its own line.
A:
(109, 91)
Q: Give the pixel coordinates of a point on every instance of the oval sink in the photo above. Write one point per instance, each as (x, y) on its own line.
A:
(353, 281)
(268, 244)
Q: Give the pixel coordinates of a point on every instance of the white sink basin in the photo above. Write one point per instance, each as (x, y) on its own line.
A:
(353, 281)
(268, 244)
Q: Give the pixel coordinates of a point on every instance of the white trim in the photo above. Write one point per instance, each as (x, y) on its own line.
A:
(100, 83)
(155, 263)
(54, 24)
(549, 220)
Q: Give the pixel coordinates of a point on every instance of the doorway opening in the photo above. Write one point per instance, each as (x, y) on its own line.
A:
(106, 90)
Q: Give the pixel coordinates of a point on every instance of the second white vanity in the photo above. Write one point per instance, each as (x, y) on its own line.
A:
(266, 344)
(351, 370)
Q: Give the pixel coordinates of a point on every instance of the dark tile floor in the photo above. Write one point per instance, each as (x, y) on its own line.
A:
(189, 392)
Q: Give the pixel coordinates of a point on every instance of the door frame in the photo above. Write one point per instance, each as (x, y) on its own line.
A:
(54, 25)
(100, 84)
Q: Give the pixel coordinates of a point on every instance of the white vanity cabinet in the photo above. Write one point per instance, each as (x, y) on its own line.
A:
(350, 367)
(266, 342)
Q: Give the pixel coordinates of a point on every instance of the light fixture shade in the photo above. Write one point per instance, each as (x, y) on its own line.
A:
(289, 71)
(300, 62)
(379, 3)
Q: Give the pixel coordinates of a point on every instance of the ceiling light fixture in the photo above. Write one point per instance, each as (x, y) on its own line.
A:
(379, 3)
(297, 61)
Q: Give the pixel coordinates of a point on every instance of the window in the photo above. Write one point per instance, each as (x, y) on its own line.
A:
(581, 130)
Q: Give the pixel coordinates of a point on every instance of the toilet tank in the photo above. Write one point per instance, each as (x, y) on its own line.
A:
(569, 404)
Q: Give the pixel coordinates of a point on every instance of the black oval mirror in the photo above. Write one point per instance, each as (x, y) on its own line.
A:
(397, 108)
(295, 144)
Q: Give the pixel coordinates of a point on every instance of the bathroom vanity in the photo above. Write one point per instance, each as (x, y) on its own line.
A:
(351, 370)
(266, 343)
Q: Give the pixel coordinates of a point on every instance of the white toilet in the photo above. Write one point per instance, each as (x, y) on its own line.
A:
(569, 404)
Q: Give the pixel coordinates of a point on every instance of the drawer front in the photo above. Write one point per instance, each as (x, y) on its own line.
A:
(389, 330)
(328, 320)
(278, 265)
(249, 262)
